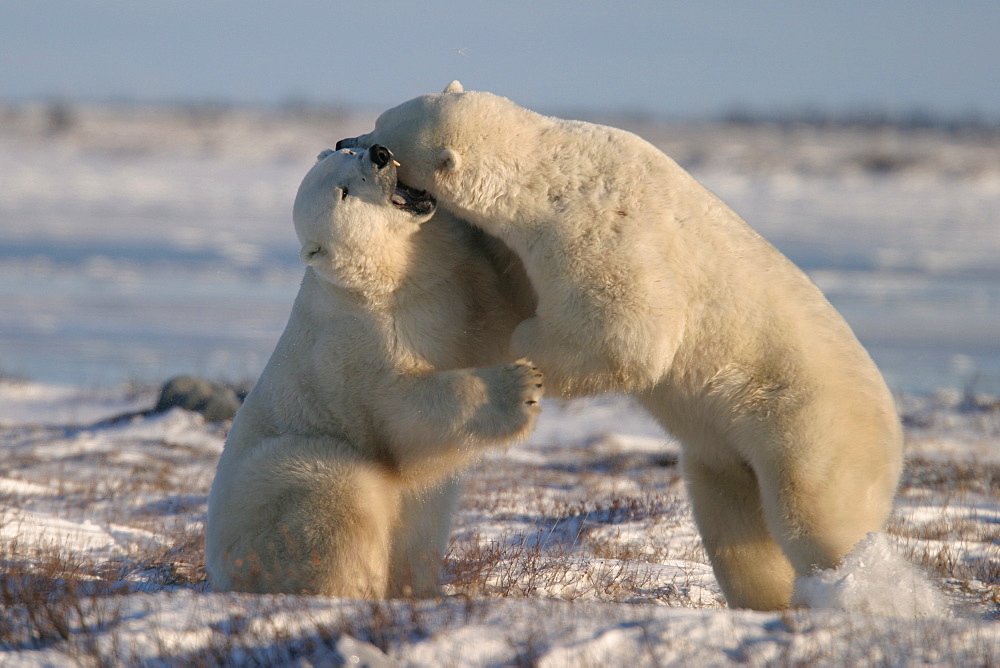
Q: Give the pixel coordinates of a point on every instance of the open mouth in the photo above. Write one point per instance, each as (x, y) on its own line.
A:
(415, 201)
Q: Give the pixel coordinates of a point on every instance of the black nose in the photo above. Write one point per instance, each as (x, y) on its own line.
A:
(380, 155)
(340, 144)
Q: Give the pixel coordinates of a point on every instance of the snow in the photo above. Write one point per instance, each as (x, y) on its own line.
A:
(874, 579)
(140, 243)
(573, 548)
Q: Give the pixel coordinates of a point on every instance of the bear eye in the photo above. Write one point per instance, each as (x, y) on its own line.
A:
(343, 193)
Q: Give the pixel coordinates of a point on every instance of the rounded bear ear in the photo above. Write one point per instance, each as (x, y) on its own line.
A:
(324, 153)
(449, 160)
(310, 253)
(454, 87)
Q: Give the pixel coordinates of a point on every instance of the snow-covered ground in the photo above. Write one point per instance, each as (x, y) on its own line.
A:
(574, 548)
(139, 243)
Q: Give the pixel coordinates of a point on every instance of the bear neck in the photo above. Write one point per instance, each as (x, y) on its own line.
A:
(418, 266)
(492, 199)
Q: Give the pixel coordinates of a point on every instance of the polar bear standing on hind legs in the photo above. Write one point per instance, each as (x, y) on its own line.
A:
(648, 284)
(337, 477)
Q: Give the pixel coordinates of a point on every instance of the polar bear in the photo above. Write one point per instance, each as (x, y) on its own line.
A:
(337, 477)
(648, 284)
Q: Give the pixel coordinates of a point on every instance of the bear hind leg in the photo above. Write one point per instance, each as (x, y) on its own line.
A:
(750, 566)
(820, 518)
(420, 540)
(324, 529)
(349, 553)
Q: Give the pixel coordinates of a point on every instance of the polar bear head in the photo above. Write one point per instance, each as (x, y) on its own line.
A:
(416, 126)
(464, 147)
(355, 219)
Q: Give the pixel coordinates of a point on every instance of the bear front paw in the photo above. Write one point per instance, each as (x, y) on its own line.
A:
(527, 382)
(514, 391)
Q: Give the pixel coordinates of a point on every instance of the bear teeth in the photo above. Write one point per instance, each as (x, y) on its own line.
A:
(411, 199)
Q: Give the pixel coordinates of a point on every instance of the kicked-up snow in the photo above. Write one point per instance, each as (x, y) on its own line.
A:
(875, 580)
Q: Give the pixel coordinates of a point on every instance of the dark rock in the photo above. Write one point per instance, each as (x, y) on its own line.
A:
(215, 401)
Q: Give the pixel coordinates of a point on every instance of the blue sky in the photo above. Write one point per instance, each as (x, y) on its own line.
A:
(664, 58)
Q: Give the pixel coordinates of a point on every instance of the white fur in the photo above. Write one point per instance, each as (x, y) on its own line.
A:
(648, 284)
(338, 476)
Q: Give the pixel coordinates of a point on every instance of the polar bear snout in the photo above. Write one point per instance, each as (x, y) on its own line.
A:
(379, 155)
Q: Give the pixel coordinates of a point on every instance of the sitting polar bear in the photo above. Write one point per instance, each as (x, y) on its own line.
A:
(648, 284)
(338, 474)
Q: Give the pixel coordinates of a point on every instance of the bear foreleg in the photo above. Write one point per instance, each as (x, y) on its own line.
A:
(430, 420)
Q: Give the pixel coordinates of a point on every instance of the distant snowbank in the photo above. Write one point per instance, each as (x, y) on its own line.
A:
(822, 147)
(30, 403)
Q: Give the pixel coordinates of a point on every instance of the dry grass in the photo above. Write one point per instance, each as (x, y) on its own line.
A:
(597, 523)
(50, 596)
(959, 540)
(590, 525)
(55, 595)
